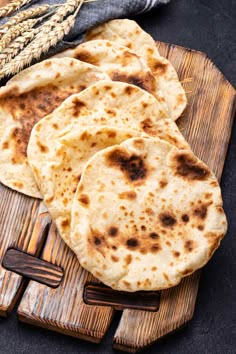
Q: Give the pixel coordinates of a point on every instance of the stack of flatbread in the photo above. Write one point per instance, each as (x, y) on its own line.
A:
(92, 132)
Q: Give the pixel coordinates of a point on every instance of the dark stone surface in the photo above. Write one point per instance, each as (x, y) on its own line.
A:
(209, 26)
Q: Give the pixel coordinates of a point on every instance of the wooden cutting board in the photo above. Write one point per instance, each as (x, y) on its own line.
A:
(206, 124)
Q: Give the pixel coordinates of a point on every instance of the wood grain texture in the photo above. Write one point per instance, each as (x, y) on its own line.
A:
(33, 268)
(62, 309)
(139, 329)
(206, 124)
(99, 294)
(18, 218)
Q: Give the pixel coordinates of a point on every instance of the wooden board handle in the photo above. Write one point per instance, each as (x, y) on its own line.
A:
(99, 294)
(32, 267)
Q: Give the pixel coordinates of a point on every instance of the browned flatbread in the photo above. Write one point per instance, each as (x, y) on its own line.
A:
(62, 142)
(120, 63)
(128, 33)
(145, 215)
(58, 170)
(28, 97)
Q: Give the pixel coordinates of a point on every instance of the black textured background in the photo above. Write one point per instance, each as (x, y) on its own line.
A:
(209, 26)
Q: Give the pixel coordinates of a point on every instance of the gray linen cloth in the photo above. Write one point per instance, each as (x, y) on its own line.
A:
(96, 12)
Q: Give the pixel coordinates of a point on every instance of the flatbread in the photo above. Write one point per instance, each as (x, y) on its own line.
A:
(120, 63)
(58, 170)
(145, 215)
(105, 103)
(127, 33)
(28, 97)
(62, 142)
(110, 103)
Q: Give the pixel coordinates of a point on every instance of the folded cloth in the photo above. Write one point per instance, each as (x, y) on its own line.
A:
(96, 12)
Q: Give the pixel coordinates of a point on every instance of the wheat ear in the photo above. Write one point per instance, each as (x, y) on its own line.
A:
(16, 31)
(16, 46)
(62, 12)
(67, 8)
(40, 44)
(12, 7)
(19, 43)
(24, 15)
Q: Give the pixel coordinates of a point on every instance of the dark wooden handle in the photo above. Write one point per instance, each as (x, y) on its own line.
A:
(32, 267)
(101, 295)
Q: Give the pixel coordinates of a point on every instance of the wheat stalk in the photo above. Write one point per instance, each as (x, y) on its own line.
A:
(41, 44)
(13, 6)
(24, 15)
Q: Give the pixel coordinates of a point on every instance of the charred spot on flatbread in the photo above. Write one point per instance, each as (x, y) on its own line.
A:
(130, 195)
(132, 243)
(187, 166)
(147, 126)
(189, 245)
(128, 259)
(185, 218)
(113, 231)
(142, 80)
(154, 235)
(86, 56)
(200, 212)
(84, 200)
(158, 67)
(77, 106)
(167, 219)
(132, 166)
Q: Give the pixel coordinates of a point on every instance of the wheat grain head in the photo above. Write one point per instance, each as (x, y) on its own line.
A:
(13, 6)
(41, 44)
(24, 15)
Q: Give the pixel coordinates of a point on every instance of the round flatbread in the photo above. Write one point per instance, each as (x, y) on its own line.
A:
(145, 215)
(58, 170)
(127, 33)
(120, 63)
(28, 97)
(105, 103)
(62, 142)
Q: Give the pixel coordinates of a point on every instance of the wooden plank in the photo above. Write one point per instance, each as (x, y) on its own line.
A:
(139, 329)
(62, 309)
(33, 268)
(18, 217)
(206, 124)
